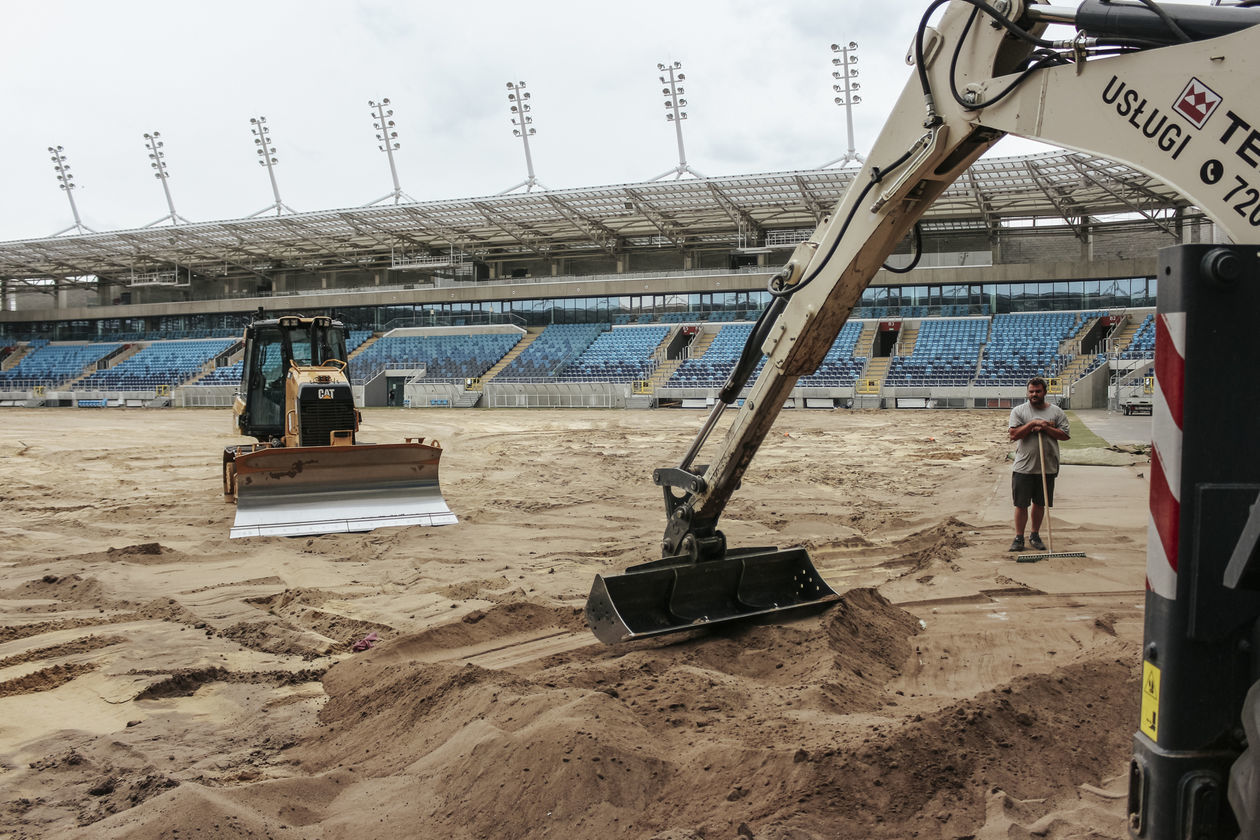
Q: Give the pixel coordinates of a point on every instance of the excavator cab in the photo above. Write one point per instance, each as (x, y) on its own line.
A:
(309, 473)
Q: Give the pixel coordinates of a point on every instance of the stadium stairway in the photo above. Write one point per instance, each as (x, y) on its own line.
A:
(700, 344)
(1086, 323)
(365, 345)
(665, 366)
(1071, 346)
(1122, 335)
(698, 347)
(531, 333)
(662, 373)
(872, 379)
(117, 357)
(1072, 370)
(20, 352)
(235, 356)
(866, 339)
(906, 341)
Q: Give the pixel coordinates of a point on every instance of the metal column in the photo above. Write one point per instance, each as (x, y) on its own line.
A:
(1198, 657)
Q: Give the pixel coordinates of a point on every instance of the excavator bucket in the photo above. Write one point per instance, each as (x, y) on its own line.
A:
(301, 490)
(676, 593)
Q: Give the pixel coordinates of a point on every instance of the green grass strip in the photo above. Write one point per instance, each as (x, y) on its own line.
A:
(1082, 437)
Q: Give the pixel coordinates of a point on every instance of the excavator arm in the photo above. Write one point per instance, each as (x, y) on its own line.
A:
(1169, 90)
(1183, 112)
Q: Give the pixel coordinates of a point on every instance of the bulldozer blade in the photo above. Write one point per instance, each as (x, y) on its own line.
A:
(670, 597)
(304, 490)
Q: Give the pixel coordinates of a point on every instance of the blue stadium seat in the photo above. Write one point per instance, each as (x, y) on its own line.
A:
(161, 363)
(51, 365)
(555, 347)
(444, 356)
(622, 354)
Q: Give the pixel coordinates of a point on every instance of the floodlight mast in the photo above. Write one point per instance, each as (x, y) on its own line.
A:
(157, 160)
(519, 107)
(846, 75)
(66, 182)
(388, 144)
(267, 159)
(674, 103)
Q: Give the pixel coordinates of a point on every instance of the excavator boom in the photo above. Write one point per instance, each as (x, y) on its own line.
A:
(1183, 112)
(1170, 91)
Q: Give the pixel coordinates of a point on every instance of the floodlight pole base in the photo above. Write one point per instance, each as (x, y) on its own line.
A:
(679, 171)
(528, 184)
(280, 207)
(173, 218)
(848, 157)
(77, 227)
(397, 195)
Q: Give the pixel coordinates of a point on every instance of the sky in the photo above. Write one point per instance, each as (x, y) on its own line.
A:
(95, 77)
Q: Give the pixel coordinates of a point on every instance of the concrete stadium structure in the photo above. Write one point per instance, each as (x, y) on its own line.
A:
(1054, 232)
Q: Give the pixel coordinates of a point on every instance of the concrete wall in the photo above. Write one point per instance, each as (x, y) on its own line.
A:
(1091, 390)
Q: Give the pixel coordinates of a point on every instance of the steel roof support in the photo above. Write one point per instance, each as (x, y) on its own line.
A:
(738, 215)
(530, 239)
(1093, 174)
(1060, 202)
(661, 221)
(599, 235)
(816, 206)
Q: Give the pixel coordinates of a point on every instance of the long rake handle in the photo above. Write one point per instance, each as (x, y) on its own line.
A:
(1045, 494)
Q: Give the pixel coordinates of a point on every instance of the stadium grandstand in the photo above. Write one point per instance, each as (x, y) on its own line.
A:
(632, 295)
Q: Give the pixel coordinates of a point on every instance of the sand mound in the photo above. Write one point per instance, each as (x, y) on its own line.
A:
(741, 730)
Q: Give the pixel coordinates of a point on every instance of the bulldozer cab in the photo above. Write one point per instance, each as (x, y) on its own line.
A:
(271, 348)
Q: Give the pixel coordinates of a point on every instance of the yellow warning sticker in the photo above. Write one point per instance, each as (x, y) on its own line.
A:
(1150, 701)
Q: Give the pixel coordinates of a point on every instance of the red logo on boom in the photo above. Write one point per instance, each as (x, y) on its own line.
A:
(1197, 102)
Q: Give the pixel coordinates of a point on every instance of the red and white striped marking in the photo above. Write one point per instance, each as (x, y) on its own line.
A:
(1164, 529)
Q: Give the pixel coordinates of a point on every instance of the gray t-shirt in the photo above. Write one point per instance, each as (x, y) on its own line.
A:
(1026, 454)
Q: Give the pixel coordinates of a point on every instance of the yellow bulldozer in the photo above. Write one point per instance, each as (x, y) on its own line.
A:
(308, 473)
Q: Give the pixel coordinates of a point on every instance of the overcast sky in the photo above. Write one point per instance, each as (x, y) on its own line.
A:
(94, 77)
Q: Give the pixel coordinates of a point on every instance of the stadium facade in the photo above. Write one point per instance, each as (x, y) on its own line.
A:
(1054, 232)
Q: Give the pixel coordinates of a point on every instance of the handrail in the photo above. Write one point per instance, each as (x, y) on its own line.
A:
(444, 319)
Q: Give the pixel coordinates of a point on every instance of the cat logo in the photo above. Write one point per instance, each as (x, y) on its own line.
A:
(325, 393)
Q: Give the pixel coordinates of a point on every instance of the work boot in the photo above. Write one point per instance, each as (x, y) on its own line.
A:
(1034, 539)
(1018, 544)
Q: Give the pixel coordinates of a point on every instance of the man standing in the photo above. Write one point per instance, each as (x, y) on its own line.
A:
(1037, 427)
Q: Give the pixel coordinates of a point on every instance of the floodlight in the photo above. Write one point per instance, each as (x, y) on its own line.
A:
(388, 145)
(65, 181)
(845, 59)
(158, 158)
(268, 160)
(520, 108)
(673, 104)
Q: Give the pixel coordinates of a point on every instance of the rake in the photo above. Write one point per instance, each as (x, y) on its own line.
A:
(1045, 495)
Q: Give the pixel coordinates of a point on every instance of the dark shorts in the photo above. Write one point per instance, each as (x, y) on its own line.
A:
(1026, 487)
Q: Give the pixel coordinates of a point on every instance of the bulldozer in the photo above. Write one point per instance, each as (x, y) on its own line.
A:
(308, 473)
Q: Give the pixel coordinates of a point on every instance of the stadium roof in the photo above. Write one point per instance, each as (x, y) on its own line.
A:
(739, 211)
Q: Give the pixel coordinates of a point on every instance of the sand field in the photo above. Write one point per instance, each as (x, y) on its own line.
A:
(158, 680)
